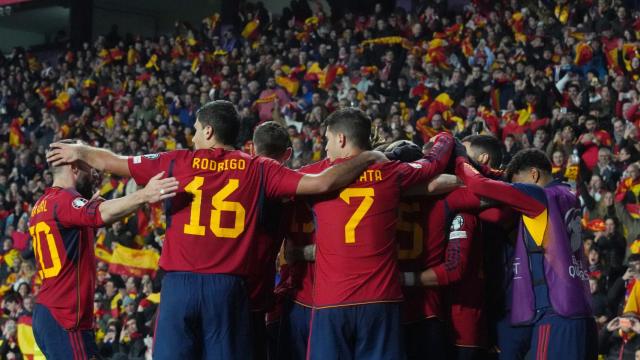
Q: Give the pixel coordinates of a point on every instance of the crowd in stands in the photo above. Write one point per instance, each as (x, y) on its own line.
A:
(561, 76)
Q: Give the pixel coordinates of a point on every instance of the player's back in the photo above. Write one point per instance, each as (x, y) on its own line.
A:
(355, 232)
(212, 220)
(62, 228)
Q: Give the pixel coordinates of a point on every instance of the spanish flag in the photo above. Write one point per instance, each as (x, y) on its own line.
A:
(289, 84)
(436, 53)
(26, 341)
(584, 53)
(625, 185)
(594, 225)
(467, 47)
(266, 99)
(133, 262)
(517, 26)
(250, 30)
(634, 210)
(61, 102)
(16, 138)
(116, 54)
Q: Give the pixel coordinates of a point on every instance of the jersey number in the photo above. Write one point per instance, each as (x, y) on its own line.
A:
(346, 195)
(412, 228)
(36, 232)
(219, 205)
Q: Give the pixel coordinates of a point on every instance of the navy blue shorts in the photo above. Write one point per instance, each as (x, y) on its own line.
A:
(369, 331)
(58, 343)
(294, 332)
(203, 316)
(426, 339)
(555, 337)
(513, 341)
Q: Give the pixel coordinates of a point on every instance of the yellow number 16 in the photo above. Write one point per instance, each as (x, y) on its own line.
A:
(219, 205)
(361, 211)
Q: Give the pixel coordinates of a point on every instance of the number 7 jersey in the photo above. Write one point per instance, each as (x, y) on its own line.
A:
(212, 220)
(355, 234)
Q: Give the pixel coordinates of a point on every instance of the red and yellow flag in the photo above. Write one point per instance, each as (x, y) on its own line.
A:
(133, 262)
(16, 137)
(250, 30)
(290, 84)
(584, 53)
(26, 341)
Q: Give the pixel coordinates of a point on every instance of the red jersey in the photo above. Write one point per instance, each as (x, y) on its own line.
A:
(269, 238)
(62, 226)
(462, 273)
(428, 246)
(213, 220)
(355, 230)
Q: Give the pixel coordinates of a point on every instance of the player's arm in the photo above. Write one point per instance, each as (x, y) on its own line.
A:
(96, 213)
(100, 159)
(526, 199)
(432, 164)
(440, 184)
(338, 176)
(456, 259)
(157, 189)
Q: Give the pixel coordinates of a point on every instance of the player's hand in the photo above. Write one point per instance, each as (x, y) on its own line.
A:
(159, 189)
(60, 154)
(406, 151)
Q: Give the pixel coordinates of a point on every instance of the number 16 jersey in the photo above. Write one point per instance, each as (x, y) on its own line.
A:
(212, 220)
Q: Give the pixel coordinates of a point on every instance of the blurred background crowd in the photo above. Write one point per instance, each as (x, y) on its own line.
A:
(561, 76)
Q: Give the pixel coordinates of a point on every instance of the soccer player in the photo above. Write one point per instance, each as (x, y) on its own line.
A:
(270, 140)
(62, 227)
(357, 294)
(211, 224)
(550, 283)
(499, 238)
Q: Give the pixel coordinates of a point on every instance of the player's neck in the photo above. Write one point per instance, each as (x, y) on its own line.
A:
(350, 152)
(63, 182)
(215, 145)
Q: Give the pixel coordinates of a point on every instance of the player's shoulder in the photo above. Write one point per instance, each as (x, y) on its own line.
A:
(137, 159)
(532, 190)
(315, 167)
(64, 198)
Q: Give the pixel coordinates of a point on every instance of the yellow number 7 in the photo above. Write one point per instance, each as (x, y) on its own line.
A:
(361, 211)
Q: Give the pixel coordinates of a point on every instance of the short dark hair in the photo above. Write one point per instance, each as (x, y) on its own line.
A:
(271, 139)
(526, 159)
(354, 123)
(54, 169)
(223, 118)
(489, 145)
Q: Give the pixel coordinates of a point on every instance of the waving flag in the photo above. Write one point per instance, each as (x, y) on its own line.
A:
(250, 30)
(16, 137)
(133, 262)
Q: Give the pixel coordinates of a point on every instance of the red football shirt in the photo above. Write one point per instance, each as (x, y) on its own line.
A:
(302, 273)
(212, 221)
(421, 231)
(355, 231)
(62, 227)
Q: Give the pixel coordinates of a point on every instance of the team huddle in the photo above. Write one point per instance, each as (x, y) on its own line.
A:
(414, 253)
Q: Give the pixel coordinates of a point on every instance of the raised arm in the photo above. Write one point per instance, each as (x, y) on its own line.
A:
(338, 176)
(516, 197)
(156, 190)
(100, 159)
